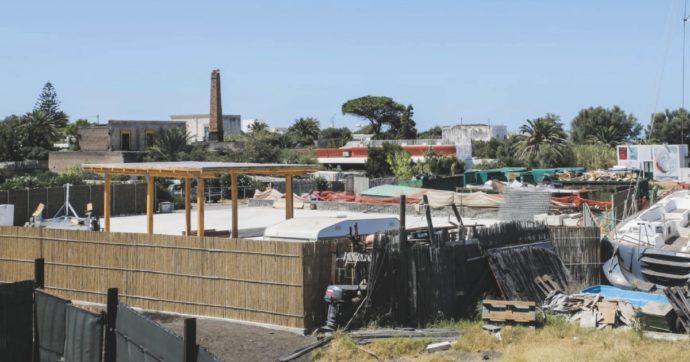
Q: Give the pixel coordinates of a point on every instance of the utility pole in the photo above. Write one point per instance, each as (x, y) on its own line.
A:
(685, 20)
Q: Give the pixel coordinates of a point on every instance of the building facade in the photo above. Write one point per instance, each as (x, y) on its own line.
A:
(466, 133)
(198, 125)
(665, 162)
(122, 135)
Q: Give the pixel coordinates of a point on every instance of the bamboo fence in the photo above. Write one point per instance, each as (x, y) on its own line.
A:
(280, 283)
(579, 249)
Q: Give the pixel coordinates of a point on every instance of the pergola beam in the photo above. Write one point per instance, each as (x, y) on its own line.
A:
(187, 206)
(106, 203)
(200, 201)
(233, 195)
(199, 171)
(149, 204)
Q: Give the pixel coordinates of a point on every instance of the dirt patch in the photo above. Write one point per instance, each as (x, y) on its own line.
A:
(232, 341)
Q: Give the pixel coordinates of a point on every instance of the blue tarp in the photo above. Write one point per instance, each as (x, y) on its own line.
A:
(637, 299)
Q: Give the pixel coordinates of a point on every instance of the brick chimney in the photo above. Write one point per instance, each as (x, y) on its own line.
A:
(215, 129)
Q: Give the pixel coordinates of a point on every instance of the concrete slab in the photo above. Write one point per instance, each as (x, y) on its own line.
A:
(219, 216)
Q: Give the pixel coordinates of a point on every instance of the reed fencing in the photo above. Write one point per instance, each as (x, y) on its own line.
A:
(580, 250)
(280, 283)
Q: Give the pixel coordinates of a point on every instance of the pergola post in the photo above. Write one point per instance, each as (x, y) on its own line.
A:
(200, 200)
(288, 197)
(233, 194)
(149, 203)
(188, 205)
(106, 203)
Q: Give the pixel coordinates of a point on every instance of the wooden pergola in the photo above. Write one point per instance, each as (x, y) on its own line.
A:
(199, 171)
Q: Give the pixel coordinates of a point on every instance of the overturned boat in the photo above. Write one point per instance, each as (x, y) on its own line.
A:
(651, 249)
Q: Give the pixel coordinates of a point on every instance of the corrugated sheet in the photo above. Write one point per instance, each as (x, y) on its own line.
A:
(16, 321)
(140, 339)
(50, 313)
(83, 335)
(522, 205)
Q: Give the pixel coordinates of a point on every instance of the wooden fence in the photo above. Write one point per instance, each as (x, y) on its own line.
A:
(580, 251)
(280, 283)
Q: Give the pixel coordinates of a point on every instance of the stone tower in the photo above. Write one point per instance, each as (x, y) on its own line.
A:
(215, 128)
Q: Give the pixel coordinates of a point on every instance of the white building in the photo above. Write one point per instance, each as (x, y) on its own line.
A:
(665, 162)
(246, 124)
(466, 133)
(198, 125)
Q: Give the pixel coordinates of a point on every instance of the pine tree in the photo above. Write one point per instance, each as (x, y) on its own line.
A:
(47, 101)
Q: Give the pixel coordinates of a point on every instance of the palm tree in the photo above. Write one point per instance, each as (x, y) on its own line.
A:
(41, 129)
(305, 129)
(539, 135)
(258, 126)
(168, 143)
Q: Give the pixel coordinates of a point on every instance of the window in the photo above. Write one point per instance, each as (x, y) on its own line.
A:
(124, 140)
(149, 139)
(205, 133)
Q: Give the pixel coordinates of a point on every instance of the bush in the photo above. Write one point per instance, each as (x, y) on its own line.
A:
(595, 157)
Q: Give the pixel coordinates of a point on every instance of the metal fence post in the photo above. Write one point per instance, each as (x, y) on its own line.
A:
(189, 347)
(39, 273)
(110, 318)
(39, 283)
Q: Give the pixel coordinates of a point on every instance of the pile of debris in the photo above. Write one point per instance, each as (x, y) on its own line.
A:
(592, 310)
(598, 175)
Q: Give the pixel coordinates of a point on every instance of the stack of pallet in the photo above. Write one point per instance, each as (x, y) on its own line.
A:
(509, 312)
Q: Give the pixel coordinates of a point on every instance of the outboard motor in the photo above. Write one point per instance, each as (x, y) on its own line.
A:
(342, 302)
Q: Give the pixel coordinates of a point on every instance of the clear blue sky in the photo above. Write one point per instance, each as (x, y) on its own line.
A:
(504, 61)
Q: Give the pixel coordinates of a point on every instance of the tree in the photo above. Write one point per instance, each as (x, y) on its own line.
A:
(433, 132)
(258, 126)
(377, 159)
(334, 137)
(50, 105)
(72, 128)
(405, 129)
(672, 127)
(305, 130)
(39, 129)
(485, 149)
(400, 163)
(10, 137)
(381, 112)
(594, 157)
(542, 142)
(168, 144)
(599, 125)
(437, 164)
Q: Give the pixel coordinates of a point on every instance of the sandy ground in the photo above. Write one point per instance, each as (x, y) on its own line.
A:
(232, 341)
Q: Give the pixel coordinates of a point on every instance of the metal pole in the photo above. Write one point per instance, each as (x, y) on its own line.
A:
(189, 347)
(111, 317)
(682, 120)
(403, 206)
(39, 278)
(39, 273)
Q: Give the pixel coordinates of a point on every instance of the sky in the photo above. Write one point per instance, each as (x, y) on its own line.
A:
(498, 62)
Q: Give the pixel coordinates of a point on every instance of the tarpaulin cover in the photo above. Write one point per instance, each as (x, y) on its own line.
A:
(50, 313)
(140, 339)
(83, 335)
(16, 321)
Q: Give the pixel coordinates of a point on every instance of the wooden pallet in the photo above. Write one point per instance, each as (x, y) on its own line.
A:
(509, 312)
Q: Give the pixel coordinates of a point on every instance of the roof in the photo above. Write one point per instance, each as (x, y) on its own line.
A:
(198, 169)
(316, 228)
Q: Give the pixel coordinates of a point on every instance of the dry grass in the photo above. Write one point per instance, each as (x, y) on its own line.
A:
(557, 341)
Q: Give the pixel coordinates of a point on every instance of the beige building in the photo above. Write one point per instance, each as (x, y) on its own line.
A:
(198, 125)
